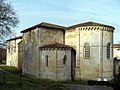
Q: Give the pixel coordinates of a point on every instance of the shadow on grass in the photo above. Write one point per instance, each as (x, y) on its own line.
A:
(12, 81)
(82, 82)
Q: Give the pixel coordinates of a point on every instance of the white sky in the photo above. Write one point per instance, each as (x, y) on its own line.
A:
(67, 13)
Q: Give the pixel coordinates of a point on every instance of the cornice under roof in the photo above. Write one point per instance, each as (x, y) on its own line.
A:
(89, 24)
(19, 37)
(56, 45)
(116, 45)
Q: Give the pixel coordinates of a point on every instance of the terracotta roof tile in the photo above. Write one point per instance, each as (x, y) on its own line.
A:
(44, 24)
(116, 45)
(56, 45)
(89, 24)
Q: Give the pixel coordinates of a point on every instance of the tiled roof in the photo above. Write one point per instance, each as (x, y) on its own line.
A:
(19, 37)
(44, 24)
(56, 45)
(116, 45)
(89, 24)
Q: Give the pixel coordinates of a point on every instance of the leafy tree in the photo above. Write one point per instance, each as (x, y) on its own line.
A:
(8, 19)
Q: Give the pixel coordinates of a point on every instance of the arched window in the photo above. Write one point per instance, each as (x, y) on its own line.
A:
(46, 60)
(108, 51)
(86, 50)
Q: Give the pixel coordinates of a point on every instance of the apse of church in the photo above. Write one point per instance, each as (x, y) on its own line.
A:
(94, 54)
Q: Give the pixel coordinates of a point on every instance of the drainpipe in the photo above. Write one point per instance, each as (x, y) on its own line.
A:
(112, 53)
(56, 63)
(64, 37)
(38, 55)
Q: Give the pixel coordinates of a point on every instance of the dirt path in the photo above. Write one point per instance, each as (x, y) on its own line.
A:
(86, 87)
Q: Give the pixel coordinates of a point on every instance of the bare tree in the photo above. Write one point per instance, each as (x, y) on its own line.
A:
(8, 20)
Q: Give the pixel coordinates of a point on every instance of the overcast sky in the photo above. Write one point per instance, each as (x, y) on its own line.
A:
(67, 13)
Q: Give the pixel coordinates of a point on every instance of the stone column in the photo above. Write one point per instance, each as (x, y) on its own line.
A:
(101, 53)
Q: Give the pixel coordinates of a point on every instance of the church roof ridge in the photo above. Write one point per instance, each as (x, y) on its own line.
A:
(45, 24)
(116, 45)
(90, 23)
(18, 37)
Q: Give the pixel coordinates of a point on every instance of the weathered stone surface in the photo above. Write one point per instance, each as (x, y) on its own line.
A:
(97, 65)
(32, 40)
(98, 36)
(56, 69)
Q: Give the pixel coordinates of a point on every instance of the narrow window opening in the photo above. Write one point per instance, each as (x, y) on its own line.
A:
(9, 47)
(15, 46)
(87, 50)
(46, 60)
(108, 51)
(64, 59)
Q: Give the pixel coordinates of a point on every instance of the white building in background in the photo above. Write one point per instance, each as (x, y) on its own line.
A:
(116, 48)
(116, 55)
(12, 51)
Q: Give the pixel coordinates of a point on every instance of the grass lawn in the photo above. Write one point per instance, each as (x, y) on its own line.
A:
(13, 81)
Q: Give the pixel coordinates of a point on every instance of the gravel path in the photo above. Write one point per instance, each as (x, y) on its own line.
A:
(86, 87)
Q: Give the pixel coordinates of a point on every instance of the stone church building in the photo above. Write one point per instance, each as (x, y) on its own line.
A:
(82, 51)
(12, 52)
(94, 54)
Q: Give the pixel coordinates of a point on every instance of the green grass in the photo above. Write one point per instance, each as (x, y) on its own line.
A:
(11, 69)
(28, 83)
